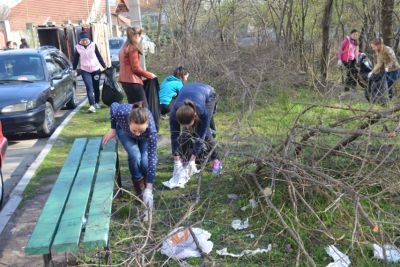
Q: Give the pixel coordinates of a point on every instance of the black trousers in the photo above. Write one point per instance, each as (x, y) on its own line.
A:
(134, 93)
(351, 75)
(165, 109)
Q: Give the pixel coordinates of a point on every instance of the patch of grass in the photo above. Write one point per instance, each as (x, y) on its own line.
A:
(270, 120)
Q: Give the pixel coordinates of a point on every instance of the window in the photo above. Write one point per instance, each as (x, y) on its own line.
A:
(53, 68)
(21, 67)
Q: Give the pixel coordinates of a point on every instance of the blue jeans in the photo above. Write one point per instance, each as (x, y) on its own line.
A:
(391, 77)
(137, 155)
(92, 83)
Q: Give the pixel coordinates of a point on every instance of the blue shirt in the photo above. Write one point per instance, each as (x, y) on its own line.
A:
(169, 88)
(200, 94)
(119, 117)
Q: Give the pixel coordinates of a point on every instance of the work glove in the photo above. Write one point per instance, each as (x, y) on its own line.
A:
(148, 198)
(191, 168)
(177, 167)
(386, 69)
(340, 63)
(77, 72)
(369, 75)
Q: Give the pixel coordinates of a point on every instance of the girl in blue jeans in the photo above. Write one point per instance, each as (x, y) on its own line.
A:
(135, 128)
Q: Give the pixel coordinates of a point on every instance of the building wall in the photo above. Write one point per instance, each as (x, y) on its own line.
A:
(39, 12)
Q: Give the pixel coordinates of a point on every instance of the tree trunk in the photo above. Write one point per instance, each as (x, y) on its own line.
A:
(326, 23)
(387, 21)
(158, 38)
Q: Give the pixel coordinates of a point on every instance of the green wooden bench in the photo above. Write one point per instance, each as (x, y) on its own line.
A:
(82, 192)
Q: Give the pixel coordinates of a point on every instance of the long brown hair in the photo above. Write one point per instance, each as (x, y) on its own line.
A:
(377, 41)
(130, 33)
(186, 113)
(138, 114)
(180, 72)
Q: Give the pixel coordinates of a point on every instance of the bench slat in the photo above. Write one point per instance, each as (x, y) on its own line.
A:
(98, 224)
(43, 234)
(69, 231)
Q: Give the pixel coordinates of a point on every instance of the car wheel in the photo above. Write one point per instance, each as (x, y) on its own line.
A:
(49, 123)
(73, 102)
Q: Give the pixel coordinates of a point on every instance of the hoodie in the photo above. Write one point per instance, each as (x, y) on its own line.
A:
(169, 88)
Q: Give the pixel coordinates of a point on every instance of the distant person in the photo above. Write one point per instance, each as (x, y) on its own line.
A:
(9, 45)
(15, 46)
(135, 128)
(347, 56)
(169, 89)
(90, 59)
(24, 44)
(193, 111)
(385, 60)
(131, 72)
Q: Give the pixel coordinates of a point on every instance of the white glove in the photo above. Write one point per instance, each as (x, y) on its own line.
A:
(191, 167)
(339, 63)
(369, 75)
(148, 198)
(387, 69)
(177, 167)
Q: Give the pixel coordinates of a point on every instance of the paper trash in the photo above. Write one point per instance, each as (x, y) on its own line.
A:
(180, 243)
(252, 204)
(178, 180)
(392, 253)
(340, 259)
(232, 196)
(250, 235)
(224, 252)
(238, 225)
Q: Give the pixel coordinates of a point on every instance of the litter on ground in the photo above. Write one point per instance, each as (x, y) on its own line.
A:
(180, 244)
(237, 224)
(392, 252)
(339, 259)
(224, 252)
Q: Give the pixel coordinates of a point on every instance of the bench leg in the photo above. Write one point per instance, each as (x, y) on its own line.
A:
(48, 261)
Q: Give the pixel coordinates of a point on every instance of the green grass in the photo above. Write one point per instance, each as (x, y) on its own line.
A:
(239, 132)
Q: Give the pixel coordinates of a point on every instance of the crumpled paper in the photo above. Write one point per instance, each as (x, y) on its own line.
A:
(392, 252)
(180, 244)
(340, 259)
(237, 224)
(252, 204)
(178, 180)
(224, 252)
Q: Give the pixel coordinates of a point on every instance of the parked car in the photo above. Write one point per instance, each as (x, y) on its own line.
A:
(34, 84)
(115, 45)
(3, 149)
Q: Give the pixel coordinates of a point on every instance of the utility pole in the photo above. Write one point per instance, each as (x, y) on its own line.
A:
(109, 21)
(137, 22)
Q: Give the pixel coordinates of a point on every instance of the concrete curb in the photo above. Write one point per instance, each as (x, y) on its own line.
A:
(16, 195)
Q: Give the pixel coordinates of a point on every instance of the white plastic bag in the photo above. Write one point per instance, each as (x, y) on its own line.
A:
(340, 259)
(178, 180)
(180, 244)
(392, 252)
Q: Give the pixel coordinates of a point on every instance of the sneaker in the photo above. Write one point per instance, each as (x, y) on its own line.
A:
(97, 106)
(92, 109)
(217, 167)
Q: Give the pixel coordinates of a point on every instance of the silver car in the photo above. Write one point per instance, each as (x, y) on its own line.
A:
(115, 45)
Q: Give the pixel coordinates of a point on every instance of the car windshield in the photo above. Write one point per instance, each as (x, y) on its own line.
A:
(115, 43)
(21, 68)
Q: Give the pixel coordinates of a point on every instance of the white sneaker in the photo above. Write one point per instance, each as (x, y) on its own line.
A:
(97, 106)
(92, 109)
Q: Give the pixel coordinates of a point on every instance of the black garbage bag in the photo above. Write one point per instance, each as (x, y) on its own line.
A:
(365, 67)
(152, 90)
(376, 91)
(112, 91)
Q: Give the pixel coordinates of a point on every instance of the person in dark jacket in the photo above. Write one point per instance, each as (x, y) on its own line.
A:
(193, 110)
(90, 59)
(134, 126)
(170, 87)
(24, 44)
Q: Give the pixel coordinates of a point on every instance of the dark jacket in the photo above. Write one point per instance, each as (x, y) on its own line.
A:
(200, 94)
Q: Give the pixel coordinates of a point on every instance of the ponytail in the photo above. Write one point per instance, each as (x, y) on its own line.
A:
(187, 113)
(138, 114)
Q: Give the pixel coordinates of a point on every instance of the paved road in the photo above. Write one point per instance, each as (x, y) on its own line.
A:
(23, 150)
